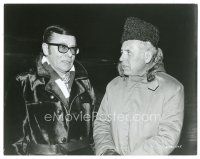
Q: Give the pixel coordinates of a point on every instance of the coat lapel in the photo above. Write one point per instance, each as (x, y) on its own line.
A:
(54, 83)
(56, 86)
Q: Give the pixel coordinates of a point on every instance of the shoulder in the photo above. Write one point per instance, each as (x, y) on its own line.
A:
(30, 74)
(114, 82)
(80, 71)
(169, 83)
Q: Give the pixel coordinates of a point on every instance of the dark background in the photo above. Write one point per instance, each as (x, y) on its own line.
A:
(99, 28)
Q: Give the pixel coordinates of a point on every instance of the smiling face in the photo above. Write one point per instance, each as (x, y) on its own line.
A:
(62, 62)
(134, 57)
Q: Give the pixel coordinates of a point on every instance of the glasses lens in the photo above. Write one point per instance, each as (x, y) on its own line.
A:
(73, 50)
(63, 48)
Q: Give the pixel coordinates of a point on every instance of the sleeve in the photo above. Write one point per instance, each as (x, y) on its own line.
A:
(14, 115)
(89, 107)
(169, 128)
(88, 86)
(102, 128)
(20, 146)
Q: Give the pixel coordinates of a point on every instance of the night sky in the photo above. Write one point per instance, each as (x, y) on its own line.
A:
(99, 27)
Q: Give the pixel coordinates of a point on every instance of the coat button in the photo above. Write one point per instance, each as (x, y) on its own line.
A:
(63, 139)
(52, 97)
(59, 112)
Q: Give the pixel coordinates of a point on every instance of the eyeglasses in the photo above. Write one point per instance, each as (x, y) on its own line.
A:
(64, 48)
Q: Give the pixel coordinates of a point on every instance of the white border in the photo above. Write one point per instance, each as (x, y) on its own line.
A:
(80, 1)
(99, 1)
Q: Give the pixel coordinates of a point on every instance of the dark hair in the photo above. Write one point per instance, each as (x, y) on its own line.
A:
(56, 29)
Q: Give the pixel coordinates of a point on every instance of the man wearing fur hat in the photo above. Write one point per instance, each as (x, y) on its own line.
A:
(142, 110)
(59, 100)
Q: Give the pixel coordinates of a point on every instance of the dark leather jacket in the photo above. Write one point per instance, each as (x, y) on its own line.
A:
(55, 124)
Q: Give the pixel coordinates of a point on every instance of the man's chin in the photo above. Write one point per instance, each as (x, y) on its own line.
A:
(126, 74)
(64, 69)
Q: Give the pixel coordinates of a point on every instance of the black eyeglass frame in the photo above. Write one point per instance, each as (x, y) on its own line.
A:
(68, 48)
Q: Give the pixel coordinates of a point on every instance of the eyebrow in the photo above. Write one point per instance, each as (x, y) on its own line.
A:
(126, 50)
(67, 45)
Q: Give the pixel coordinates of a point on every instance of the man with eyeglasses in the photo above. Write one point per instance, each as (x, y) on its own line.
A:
(59, 100)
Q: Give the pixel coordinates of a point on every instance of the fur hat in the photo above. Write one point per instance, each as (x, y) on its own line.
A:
(137, 29)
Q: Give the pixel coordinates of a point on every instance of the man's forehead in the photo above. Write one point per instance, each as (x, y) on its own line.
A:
(133, 44)
(61, 38)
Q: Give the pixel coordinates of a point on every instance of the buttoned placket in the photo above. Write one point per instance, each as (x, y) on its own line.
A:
(132, 85)
(129, 85)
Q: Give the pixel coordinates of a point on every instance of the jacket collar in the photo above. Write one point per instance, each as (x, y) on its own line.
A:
(153, 82)
(153, 85)
(150, 78)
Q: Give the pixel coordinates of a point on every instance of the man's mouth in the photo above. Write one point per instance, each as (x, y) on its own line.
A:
(66, 62)
(124, 66)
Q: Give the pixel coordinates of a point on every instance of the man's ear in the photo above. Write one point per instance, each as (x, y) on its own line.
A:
(148, 56)
(77, 52)
(45, 49)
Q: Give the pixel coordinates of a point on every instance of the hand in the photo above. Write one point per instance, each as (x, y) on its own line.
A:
(110, 152)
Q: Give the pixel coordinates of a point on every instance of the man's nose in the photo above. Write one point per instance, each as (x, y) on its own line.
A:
(122, 57)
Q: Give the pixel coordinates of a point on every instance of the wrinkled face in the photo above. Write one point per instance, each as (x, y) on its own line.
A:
(133, 57)
(62, 62)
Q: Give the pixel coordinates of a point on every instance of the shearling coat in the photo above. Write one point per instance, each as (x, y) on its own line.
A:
(54, 122)
(137, 117)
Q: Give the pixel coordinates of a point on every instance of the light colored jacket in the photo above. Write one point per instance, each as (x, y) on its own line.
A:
(137, 117)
